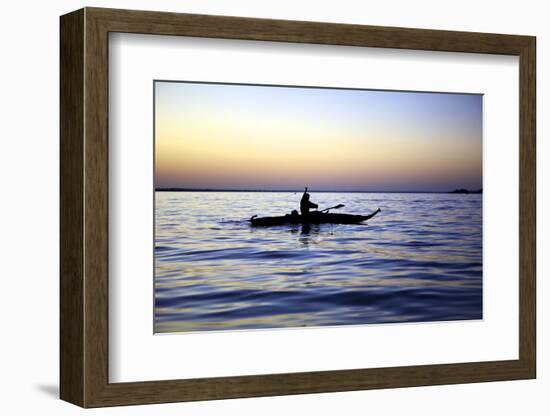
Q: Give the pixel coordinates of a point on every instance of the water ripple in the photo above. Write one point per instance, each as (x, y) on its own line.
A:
(419, 260)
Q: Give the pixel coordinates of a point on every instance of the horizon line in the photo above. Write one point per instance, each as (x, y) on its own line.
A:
(178, 189)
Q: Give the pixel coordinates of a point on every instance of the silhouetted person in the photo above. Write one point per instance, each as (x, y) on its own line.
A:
(306, 204)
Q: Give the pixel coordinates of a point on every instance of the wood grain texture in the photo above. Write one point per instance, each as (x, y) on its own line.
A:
(84, 207)
(528, 207)
(96, 220)
(162, 23)
(71, 185)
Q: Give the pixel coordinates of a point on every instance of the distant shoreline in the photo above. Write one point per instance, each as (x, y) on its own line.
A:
(309, 190)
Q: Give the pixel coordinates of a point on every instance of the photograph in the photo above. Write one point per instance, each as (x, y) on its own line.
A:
(284, 206)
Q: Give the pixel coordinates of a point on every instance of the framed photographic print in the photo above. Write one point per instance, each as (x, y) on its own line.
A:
(255, 207)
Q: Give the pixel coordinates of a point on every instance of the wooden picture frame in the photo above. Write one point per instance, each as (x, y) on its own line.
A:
(84, 207)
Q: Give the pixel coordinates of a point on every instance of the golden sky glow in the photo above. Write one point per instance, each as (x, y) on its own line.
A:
(225, 136)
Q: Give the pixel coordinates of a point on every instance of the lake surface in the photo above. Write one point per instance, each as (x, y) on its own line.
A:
(419, 259)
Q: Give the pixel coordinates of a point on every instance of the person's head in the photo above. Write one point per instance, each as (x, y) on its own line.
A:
(306, 196)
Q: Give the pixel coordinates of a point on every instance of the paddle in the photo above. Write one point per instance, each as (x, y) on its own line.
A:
(334, 207)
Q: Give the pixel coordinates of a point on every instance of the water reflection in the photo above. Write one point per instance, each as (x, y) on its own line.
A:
(419, 261)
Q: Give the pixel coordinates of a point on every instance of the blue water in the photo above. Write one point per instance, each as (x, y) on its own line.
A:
(419, 260)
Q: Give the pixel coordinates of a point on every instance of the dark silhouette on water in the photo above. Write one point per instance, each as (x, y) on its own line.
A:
(306, 204)
(466, 191)
(312, 217)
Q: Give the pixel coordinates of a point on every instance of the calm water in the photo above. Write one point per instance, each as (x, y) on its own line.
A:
(420, 259)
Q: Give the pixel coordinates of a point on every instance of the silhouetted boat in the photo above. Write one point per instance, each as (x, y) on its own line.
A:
(315, 217)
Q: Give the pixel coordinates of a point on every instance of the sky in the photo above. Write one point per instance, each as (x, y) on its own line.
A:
(233, 136)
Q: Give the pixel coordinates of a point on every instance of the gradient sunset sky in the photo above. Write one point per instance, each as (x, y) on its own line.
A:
(229, 136)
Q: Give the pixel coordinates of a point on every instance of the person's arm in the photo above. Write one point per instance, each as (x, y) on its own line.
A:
(313, 205)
